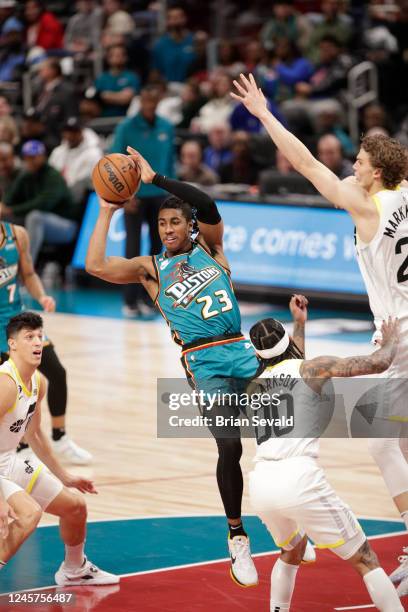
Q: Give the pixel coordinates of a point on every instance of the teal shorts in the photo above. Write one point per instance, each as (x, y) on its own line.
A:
(225, 365)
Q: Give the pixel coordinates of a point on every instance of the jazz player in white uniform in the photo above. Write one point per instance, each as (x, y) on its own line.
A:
(377, 201)
(27, 487)
(288, 489)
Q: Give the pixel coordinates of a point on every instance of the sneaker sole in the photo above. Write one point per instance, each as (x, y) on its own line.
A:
(81, 582)
(243, 586)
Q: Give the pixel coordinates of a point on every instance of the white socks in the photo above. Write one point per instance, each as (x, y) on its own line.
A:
(404, 517)
(382, 591)
(282, 584)
(74, 556)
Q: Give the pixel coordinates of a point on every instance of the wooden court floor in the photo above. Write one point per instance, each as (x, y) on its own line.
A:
(112, 370)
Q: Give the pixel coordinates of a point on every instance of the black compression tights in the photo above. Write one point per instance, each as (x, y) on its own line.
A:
(229, 475)
(55, 373)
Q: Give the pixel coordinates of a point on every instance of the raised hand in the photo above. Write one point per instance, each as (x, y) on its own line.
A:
(251, 95)
(146, 171)
(298, 308)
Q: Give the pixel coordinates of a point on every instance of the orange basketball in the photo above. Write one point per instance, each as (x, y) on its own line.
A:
(116, 178)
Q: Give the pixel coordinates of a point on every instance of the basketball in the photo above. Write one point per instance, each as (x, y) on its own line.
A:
(116, 178)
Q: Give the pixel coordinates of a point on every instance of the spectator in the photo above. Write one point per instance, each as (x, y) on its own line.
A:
(241, 169)
(290, 67)
(228, 59)
(252, 55)
(76, 157)
(218, 108)
(173, 53)
(11, 52)
(330, 153)
(192, 168)
(32, 128)
(169, 106)
(331, 22)
(117, 21)
(41, 199)
(56, 99)
(117, 86)
(198, 69)
(83, 31)
(283, 179)
(43, 28)
(286, 22)
(153, 137)
(191, 102)
(8, 130)
(330, 120)
(375, 116)
(9, 169)
(218, 150)
(5, 108)
(330, 76)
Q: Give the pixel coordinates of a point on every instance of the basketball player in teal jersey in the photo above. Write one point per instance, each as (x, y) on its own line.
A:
(16, 266)
(191, 286)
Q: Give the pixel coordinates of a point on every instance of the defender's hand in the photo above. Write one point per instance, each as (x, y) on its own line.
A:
(78, 482)
(250, 95)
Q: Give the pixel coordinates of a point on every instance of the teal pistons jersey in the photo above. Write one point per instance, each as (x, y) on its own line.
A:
(10, 299)
(196, 296)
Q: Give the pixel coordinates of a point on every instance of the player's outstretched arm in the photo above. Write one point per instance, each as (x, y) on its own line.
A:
(209, 220)
(28, 275)
(361, 365)
(344, 194)
(42, 448)
(113, 269)
(298, 308)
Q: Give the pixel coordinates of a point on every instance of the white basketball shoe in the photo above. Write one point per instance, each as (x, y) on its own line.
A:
(87, 574)
(71, 452)
(243, 570)
(401, 572)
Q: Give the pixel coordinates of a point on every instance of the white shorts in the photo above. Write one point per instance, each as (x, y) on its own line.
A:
(292, 497)
(32, 477)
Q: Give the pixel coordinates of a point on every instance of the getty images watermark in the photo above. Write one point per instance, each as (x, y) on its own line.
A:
(283, 406)
(224, 409)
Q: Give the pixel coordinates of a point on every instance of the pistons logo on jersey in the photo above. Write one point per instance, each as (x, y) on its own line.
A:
(189, 282)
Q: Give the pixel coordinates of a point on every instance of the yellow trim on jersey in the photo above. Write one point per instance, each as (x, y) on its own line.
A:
(38, 379)
(398, 419)
(377, 203)
(334, 545)
(17, 373)
(33, 479)
(16, 400)
(276, 365)
(290, 538)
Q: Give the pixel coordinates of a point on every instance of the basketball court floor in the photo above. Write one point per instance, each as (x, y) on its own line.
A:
(157, 519)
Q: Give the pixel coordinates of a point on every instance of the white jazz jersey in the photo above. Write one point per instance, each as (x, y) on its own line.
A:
(384, 261)
(295, 399)
(15, 422)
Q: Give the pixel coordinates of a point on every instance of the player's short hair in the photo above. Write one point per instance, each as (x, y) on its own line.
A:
(265, 336)
(388, 155)
(24, 320)
(178, 204)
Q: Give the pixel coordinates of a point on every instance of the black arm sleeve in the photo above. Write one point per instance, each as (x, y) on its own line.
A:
(207, 210)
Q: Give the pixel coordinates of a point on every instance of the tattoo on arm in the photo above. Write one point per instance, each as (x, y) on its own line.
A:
(299, 336)
(327, 367)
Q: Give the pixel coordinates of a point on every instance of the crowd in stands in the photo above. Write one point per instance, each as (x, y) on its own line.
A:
(79, 79)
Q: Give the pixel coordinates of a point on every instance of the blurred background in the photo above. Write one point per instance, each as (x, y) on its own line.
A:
(78, 79)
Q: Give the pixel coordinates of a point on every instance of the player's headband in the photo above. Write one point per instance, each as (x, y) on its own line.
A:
(276, 350)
